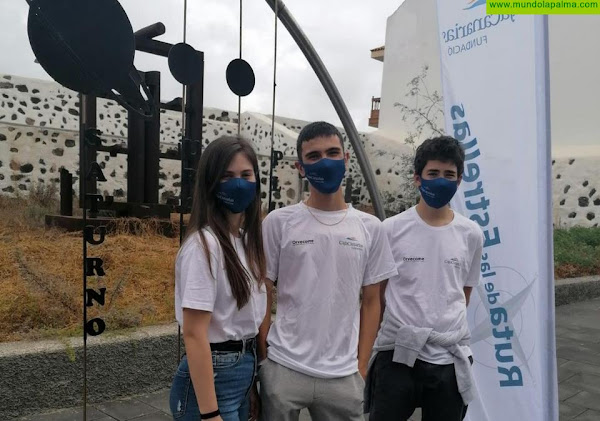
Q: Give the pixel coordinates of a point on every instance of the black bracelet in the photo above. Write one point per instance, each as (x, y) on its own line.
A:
(210, 415)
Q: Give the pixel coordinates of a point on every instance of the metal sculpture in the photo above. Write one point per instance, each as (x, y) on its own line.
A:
(71, 43)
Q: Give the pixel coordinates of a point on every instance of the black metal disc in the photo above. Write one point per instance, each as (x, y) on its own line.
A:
(82, 43)
(48, 49)
(88, 46)
(240, 77)
(186, 64)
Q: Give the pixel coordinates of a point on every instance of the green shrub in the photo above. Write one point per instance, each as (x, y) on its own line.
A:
(578, 248)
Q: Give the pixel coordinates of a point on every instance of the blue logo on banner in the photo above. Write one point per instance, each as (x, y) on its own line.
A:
(466, 36)
(475, 3)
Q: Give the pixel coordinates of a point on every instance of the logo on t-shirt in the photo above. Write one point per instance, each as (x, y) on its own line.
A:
(302, 242)
(351, 242)
(453, 261)
(413, 259)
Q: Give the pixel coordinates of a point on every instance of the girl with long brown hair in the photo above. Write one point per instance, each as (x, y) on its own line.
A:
(220, 298)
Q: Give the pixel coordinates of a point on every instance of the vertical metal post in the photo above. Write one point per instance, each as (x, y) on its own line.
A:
(66, 192)
(195, 108)
(195, 104)
(546, 242)
(87, 153)
(348, 190)
(136, 127)
(239, 109)
(152, 142)
(83, 176)
(193, 132)
(272, 179)
(183, 134)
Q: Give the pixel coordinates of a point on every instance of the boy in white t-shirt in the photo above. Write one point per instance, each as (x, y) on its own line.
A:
(323, 253)
(422, 355)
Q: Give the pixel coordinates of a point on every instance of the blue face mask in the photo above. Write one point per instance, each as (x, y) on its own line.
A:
(438, 192)
(325, 175)
(236, 194)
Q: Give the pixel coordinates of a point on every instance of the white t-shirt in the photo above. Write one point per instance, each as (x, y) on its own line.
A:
(434, 265)
(199, 289)
(320, 271)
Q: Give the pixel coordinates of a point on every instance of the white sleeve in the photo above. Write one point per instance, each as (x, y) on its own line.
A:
(474, 275)
(200, 285)
(271, 229)
(380, 263)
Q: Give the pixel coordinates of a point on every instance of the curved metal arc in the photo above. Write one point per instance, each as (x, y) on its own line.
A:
(336, 99)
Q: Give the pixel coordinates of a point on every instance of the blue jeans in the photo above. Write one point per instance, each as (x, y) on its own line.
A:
(233, 376)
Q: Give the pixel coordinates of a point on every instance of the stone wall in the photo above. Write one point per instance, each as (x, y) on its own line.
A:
(39, 135)
(576, 191)
(42, 375)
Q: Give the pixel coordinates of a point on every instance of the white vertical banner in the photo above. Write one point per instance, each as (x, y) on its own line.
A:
(496, 95)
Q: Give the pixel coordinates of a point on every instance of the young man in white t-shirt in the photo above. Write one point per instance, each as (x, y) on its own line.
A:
(323, 253)
(422, 355)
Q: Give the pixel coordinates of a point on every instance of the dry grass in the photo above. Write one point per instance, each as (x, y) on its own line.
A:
(41, 285)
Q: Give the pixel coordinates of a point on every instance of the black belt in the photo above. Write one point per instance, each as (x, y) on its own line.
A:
(234, 346)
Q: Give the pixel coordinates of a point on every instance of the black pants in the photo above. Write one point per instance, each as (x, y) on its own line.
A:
(398, 389)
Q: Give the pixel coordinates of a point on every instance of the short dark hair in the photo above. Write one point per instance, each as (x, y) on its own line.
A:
(317, 129)
(442, 148)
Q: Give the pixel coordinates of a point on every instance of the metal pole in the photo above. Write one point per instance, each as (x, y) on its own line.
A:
(181, 198)
(153, 46)
(152, 142)
(336, 99)
(87, 153)
(239, 125)
(136, 146)
(83, 184)
(545, 200)
(151, 31)
(272, 166)
(66, 192)
(195, 109)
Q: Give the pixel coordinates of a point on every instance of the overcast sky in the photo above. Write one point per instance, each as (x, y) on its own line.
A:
(342, 31)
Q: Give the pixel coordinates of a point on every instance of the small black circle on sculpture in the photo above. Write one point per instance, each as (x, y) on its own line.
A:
(186, 64)
(240, 77)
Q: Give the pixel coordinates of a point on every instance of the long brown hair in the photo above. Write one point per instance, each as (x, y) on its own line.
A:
(207, 212)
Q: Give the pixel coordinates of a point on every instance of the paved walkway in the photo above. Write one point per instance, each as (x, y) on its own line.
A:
(578, 357)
